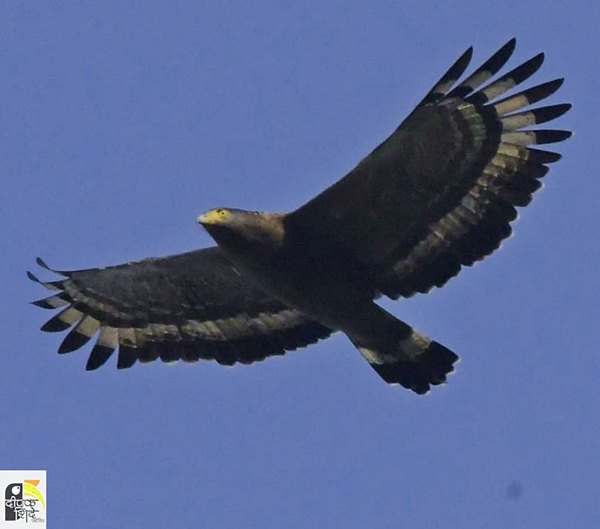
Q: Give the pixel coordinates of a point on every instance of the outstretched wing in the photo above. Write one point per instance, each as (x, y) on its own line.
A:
(441, 191)
(188, 306)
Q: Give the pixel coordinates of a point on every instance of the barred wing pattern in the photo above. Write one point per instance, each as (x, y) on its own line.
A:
(441, 191)
(190, 306)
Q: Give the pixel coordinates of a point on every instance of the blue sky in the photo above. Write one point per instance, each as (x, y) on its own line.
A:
(121, 121)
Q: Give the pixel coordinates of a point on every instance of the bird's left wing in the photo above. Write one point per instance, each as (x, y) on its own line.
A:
(189, 306)
(441, 191)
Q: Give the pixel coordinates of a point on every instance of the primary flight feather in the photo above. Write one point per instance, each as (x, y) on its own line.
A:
(438, 194)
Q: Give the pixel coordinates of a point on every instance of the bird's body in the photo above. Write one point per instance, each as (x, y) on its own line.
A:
(437, 195)
(297, 270)
(326, 286)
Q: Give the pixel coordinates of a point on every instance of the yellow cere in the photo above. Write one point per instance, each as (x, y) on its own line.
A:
(214, 216)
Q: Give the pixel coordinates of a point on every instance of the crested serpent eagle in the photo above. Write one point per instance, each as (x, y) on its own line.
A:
(438, 194)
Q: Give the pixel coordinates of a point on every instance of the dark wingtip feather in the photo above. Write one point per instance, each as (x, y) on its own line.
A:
(42, 303)
(460, 65)
(496, 61)
(540, 156)
(55, 325)
(507, 81)
(528, 68)
(531, 95)
(542, 91)
(485, 71)
(74, 340)
(33, 278)
(41, 262)
(551, 112)
(457, 69)
(127, 357)
(449, 78)
(50, 285)
(52, 302)
(551, 136)
(98, 357)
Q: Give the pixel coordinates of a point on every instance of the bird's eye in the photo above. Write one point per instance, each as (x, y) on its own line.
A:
(222, 212)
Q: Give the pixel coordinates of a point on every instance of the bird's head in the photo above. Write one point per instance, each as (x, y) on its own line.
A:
(217, 217)
(229, 226)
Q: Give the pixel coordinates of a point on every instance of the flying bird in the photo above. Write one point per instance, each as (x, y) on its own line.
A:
(438, 194)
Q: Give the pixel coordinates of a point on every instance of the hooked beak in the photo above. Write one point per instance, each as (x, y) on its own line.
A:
(210, 217)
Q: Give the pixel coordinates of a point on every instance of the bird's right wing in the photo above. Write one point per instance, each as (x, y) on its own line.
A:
(188, 306)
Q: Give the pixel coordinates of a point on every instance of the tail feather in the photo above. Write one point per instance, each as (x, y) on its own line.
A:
(416, 362)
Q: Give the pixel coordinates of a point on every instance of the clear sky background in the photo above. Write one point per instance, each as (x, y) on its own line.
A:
(121, 121)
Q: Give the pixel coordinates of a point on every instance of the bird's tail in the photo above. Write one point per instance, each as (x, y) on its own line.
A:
(413, 360)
